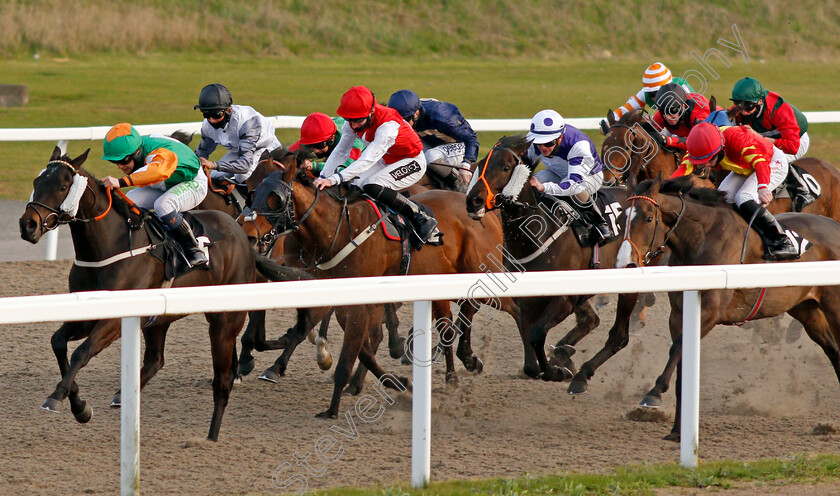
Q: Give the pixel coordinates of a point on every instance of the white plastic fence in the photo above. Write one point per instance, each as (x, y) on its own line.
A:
(129, 305)
(65, 134)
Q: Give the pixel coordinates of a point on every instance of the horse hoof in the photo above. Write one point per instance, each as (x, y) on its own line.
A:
(577, 386)
(326, 415)
(651, 402)
(325, 364)
(311, 335)
(52, 405)
(270, 376)
(405, 360)
(84, 416)
(451, 379)
(397, 350)
(237, 380)
(531, 372)
(672, 436)
(116, 401)
(246, 368)
(479, 366)
(352, 390)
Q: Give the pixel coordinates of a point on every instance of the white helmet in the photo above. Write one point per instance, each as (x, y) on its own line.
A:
(547, 125)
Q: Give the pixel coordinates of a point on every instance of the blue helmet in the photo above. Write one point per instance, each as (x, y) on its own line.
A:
(718, 118)
(406, 102)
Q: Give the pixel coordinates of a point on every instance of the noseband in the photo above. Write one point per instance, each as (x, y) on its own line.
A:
(652, 252)
(491, 202)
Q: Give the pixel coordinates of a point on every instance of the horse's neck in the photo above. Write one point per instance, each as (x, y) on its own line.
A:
(100, 239)
(317, 232)
(690, 240)
(664, 163)
(519, 222)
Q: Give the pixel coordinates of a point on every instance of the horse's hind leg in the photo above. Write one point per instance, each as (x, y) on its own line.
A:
(69, 331)
(585, 320)
(357, 382)
(223, 330)
(548, 312)
(396, 344)
(465, 353)
(155, 339)
(322, 344)
(618, 338)
(822, 323)
(254, 333)
(104, 333)
(305, 321)
(355, 322)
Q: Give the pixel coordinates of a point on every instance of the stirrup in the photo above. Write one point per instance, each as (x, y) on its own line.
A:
(784, 250)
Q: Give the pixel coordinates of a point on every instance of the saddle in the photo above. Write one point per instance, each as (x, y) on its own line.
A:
(798, 182)
(167, 250)
(233, 193)
(582, 229)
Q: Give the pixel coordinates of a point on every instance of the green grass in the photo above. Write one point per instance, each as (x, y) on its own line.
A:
(632, 481)
(145, 89)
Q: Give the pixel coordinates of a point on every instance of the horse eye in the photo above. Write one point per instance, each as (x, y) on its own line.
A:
(506, 168)
(63, 188)
(649, 220)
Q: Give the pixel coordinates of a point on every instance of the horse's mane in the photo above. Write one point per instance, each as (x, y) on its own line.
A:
(182, 136)
(631, 117)
(514, 142)
(684, 185)
(305, 178)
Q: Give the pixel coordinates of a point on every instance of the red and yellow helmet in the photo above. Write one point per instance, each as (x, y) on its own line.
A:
(704, 142)
(356, 103)
(317, 128)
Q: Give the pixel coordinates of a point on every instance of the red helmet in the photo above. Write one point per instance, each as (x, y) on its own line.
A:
(317, 128)
(704, 142)
(356, 103)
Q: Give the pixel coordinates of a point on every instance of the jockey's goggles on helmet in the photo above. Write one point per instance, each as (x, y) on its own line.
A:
(746, 105)
(125, 160)
(319, 146)
(359, 120)
(213, 114)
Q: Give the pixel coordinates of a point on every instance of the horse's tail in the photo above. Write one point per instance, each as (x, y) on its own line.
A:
(182, 136)
(276, 272)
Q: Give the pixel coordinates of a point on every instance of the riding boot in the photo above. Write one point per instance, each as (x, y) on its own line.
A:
(453, 182)
(776, 241)
(600, 229)
(183, 234)
(798, 189)
(424, 225)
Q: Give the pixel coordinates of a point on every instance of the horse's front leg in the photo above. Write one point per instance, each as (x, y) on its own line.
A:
(396, 344)
(254, 333)
(585, 320)
(354, 321)
(104, 333)
(306, 320)
(465, 352)
(69, 331)
(549, 312)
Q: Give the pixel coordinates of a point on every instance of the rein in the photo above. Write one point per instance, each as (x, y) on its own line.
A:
(490, 202)
(652, 253)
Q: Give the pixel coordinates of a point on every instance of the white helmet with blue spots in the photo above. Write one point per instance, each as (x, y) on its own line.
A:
(547, 125)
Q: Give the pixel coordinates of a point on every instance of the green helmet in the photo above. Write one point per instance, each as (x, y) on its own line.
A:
(748, 90)
(121, 141)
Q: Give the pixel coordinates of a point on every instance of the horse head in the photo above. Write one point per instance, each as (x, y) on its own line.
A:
(56, 195)
(498, 177)
(628, 148)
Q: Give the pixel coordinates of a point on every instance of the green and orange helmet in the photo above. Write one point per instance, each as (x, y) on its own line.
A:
(121, 141)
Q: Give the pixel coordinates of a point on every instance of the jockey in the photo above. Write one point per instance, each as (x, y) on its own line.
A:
(319, 134)
(757, 168)
(449, 142)
(167, 177)
(782, 123)
(393, 159)
(572, 166)
(239, 128)
(654, 77)
(677, 112)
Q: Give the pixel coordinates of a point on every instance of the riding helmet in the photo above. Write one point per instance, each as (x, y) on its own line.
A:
(317, 128)
(406, 102)
(214, 97)
(704, 142)
(748, 90)
(670, 99)
(356, 103)
(547, 125)
(655, 76)
(121, 141)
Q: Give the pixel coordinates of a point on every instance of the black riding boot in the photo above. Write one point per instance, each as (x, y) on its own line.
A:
(424, 225)
(776, 242)
(600, 228)
(800, 194)
(183, 234)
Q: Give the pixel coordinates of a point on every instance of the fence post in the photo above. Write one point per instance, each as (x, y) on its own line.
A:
(421, 409)
(690, 416)
(130, 408)
(52, 236)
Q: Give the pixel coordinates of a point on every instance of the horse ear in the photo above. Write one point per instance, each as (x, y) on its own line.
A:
(56, 154)
(611, 117)
(78, 161)
(291, 165)
(712, 104)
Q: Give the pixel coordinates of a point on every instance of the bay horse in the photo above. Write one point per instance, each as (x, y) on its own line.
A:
(501, 181)
(700, 228)
(284, 249)
(317, 220)
(104, 230)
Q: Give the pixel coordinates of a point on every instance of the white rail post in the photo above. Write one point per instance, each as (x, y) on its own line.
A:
(130, 408)
(690, 417)
(421, 409)
(52, 236)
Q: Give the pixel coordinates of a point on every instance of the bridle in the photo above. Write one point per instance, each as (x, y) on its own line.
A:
(633, 150)
(491, 202)
(61, 216)
(652, 252)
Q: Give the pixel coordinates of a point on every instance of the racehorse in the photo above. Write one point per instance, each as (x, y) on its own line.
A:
(700, 228)
(501, 181)
(113, 253)
(318, 223)
(285, 250)
(634, 151)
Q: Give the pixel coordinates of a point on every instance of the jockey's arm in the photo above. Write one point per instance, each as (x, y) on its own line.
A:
(686, 168)
(785, 123)
(457, 127)
(249, 136)
(385, 137)
(205, 147)
(581, 163)
(341, 152)
(159, 166)
(635, 102)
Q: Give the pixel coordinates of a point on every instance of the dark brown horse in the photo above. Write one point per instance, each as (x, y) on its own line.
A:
(501, 181)
(103, 227)
(318, 220)
(700, 228)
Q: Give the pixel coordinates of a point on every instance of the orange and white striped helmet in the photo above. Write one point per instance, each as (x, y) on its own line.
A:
(655, 76)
